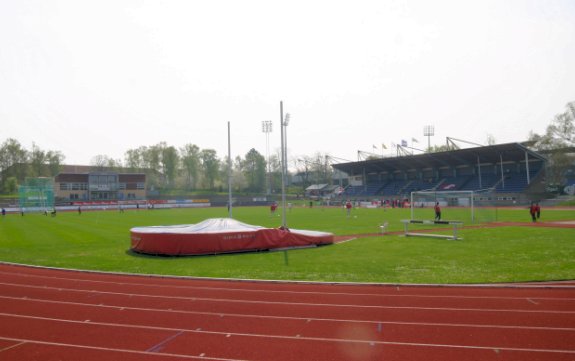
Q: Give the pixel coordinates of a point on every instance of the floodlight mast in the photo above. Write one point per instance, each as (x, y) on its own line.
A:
(283, 125)
(229, 174)
(428, 131)
(267, 129)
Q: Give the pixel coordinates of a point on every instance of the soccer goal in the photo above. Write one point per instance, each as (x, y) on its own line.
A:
(468, 206)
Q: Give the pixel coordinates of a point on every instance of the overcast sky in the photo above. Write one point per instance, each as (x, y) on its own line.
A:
(101, 77)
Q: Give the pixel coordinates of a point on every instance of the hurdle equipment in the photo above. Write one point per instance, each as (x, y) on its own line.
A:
(455, 224)
(383, 227)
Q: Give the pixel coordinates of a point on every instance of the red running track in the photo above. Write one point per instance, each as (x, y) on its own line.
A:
(48, 314)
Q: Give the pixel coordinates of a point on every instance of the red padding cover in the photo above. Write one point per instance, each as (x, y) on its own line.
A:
(179, 244)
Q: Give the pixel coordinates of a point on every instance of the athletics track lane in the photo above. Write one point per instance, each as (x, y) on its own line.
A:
(63, 315)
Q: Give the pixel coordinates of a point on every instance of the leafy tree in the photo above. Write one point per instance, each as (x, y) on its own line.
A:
(134, 158)
(12, 154)
(210, 166)
(190, 156)
(11, 185)
(315, 170)
(560, 133)
(152, 157)
(557, 143)
(239, 181)
(170, 162)
(44, 163)
(37, 160)
(254, 169)
(275, 171)
(304, 167)
(54, 159)
(322, 167)
(102, 162)
(151, 160)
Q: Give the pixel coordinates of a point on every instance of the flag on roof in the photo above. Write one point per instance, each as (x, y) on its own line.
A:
(404, 143)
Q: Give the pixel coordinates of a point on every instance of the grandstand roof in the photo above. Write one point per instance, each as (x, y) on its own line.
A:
(316, 187)
(493, 154)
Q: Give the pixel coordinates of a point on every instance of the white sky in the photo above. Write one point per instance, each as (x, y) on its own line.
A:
(102, 77)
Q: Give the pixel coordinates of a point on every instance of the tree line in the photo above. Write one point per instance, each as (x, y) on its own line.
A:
(17, 163)
(187, 168)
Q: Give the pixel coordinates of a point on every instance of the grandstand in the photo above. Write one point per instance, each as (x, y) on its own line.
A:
(510, 171)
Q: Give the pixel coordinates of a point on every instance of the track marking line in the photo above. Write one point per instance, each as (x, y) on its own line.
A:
(158, 347)
(322, 339)
(345, 241)
(533, 302)
(293, 318)
(12, 346)
(259, 290)
(110, 349)
(307, 304)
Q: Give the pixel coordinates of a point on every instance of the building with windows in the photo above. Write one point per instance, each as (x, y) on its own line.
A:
(83, 184)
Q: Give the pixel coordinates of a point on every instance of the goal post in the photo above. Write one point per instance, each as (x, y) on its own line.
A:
(422, 201)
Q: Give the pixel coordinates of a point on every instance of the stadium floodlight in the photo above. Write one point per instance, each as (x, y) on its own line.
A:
(283, 124)
(428, 131)
(267, 126)
(267, 129)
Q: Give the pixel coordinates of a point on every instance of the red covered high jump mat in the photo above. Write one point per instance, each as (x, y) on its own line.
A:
(220, 235)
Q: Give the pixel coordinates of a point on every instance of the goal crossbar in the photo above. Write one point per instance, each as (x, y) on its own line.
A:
(433, 196)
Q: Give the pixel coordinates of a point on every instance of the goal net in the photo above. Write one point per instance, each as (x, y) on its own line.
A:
(37, 194)
(466, 206)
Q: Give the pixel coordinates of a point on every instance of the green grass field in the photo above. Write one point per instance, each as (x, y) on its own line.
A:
(101, 241)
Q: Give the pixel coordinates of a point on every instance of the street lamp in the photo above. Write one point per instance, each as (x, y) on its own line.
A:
(267, 129)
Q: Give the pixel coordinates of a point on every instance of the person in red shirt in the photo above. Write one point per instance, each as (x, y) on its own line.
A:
(533, 212)
(273, 208)
(348, 208)
(437, 210)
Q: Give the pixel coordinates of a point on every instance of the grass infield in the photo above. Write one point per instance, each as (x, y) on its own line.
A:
(101, 241)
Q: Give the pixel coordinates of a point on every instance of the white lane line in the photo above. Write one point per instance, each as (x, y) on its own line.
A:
(260, 290)
(159, 346)
(12, 346)
(346, 240)
(110, 349)
(283, 303)
(291, 318)
(300, 338)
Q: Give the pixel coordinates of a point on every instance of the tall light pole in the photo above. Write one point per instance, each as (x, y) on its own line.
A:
(283, 124)
(267, 129)
(428, 131)
(229, 173)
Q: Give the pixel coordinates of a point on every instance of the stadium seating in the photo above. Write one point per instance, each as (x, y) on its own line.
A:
(514, 182)
(393, 188)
